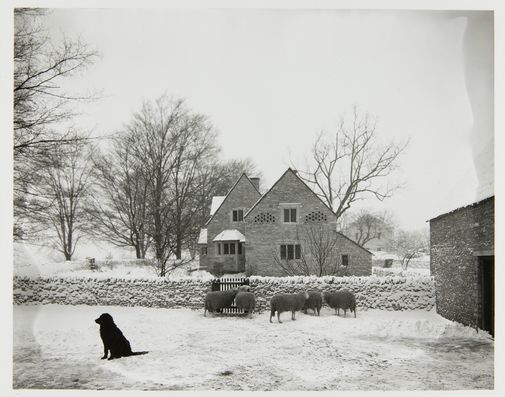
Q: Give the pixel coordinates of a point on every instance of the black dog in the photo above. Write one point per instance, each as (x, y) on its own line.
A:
(113, 339)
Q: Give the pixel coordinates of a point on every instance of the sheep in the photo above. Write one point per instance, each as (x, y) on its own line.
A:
(287, 303)
(343, 299)
(314, 302)
(216, 300)
(245, 300)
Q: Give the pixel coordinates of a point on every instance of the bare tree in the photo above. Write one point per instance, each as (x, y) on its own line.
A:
(318, 252)
(410, 244)
(119, 203)
(351, 164)
(40, 66)
(59, 207)
(170, 143)
(367, 225)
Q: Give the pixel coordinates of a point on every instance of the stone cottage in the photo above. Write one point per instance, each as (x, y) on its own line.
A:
(462, 263)
(287, 230)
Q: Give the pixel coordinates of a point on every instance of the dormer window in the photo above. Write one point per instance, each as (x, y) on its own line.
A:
(237, 215)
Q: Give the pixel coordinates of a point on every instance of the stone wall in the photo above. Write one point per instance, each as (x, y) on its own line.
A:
(114, 292)
(456, 239)
(243, 195)
(388, 293)
(264, 238)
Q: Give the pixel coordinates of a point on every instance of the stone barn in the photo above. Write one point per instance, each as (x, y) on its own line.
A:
(462, 263)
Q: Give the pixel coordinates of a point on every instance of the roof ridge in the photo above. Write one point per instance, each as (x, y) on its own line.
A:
(295, 173)
(227, 194)
(354, 242)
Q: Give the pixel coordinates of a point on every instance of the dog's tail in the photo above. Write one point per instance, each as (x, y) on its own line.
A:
(138, 353)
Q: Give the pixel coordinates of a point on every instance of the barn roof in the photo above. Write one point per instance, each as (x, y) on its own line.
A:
(461, 208)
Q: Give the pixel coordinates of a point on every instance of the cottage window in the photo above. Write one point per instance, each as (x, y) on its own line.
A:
(240, 248)
(203, 251)
(229, 248)
(345, 260)
(291, 251)
(237, 215)
(219, 249)
(290, 215)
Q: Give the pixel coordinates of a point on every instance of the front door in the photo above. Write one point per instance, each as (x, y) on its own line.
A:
(486, 284)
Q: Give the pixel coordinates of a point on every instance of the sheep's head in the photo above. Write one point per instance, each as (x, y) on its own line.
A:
(244, 288)
(306, 295)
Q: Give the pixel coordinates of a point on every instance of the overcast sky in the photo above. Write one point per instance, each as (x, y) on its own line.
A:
(270, 80)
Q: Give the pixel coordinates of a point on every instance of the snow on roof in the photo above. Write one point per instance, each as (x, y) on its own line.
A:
(216, 203)
(460, 207)
(230, 235)
(202, 238)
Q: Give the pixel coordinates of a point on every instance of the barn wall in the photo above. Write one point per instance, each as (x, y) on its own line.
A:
(456, 239)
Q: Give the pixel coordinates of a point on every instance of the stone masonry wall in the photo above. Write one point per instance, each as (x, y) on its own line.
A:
(454, 239)
(264, 239)
(244, 195)
(388, 293)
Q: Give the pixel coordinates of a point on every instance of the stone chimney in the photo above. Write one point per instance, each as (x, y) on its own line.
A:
(256, 182)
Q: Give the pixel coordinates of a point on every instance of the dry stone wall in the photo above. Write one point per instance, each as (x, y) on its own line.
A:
(388, 293)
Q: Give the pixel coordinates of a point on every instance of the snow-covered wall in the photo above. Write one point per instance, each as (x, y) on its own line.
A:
(389, 293)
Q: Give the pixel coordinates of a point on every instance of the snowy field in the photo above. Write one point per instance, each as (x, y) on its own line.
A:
(59, 347)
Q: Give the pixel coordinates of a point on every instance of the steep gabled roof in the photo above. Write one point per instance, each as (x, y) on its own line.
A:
(216, 203)
(228, 194)
(354, 242)
(202, 238)
(278, 180)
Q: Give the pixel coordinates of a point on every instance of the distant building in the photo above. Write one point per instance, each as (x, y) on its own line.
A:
(381, 233)
(462, 263)
(254, 233)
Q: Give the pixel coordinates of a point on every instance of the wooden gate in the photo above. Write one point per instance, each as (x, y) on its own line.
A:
(225, 284)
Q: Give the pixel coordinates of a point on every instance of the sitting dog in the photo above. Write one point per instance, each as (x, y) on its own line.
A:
(113, 339)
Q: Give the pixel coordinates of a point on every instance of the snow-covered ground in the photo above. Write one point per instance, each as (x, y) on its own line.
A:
(59, 347)
(32, 261)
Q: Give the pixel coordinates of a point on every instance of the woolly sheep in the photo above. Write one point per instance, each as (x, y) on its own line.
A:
(287, 303)
(245, 300)
(314, 302)
(216, 300)
(343, 299)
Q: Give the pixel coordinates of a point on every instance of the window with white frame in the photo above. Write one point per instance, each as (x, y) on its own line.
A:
(203, 251)
(237, 215)
(291, 251)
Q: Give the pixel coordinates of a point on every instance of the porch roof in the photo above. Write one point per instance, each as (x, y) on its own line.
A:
(230, 235)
